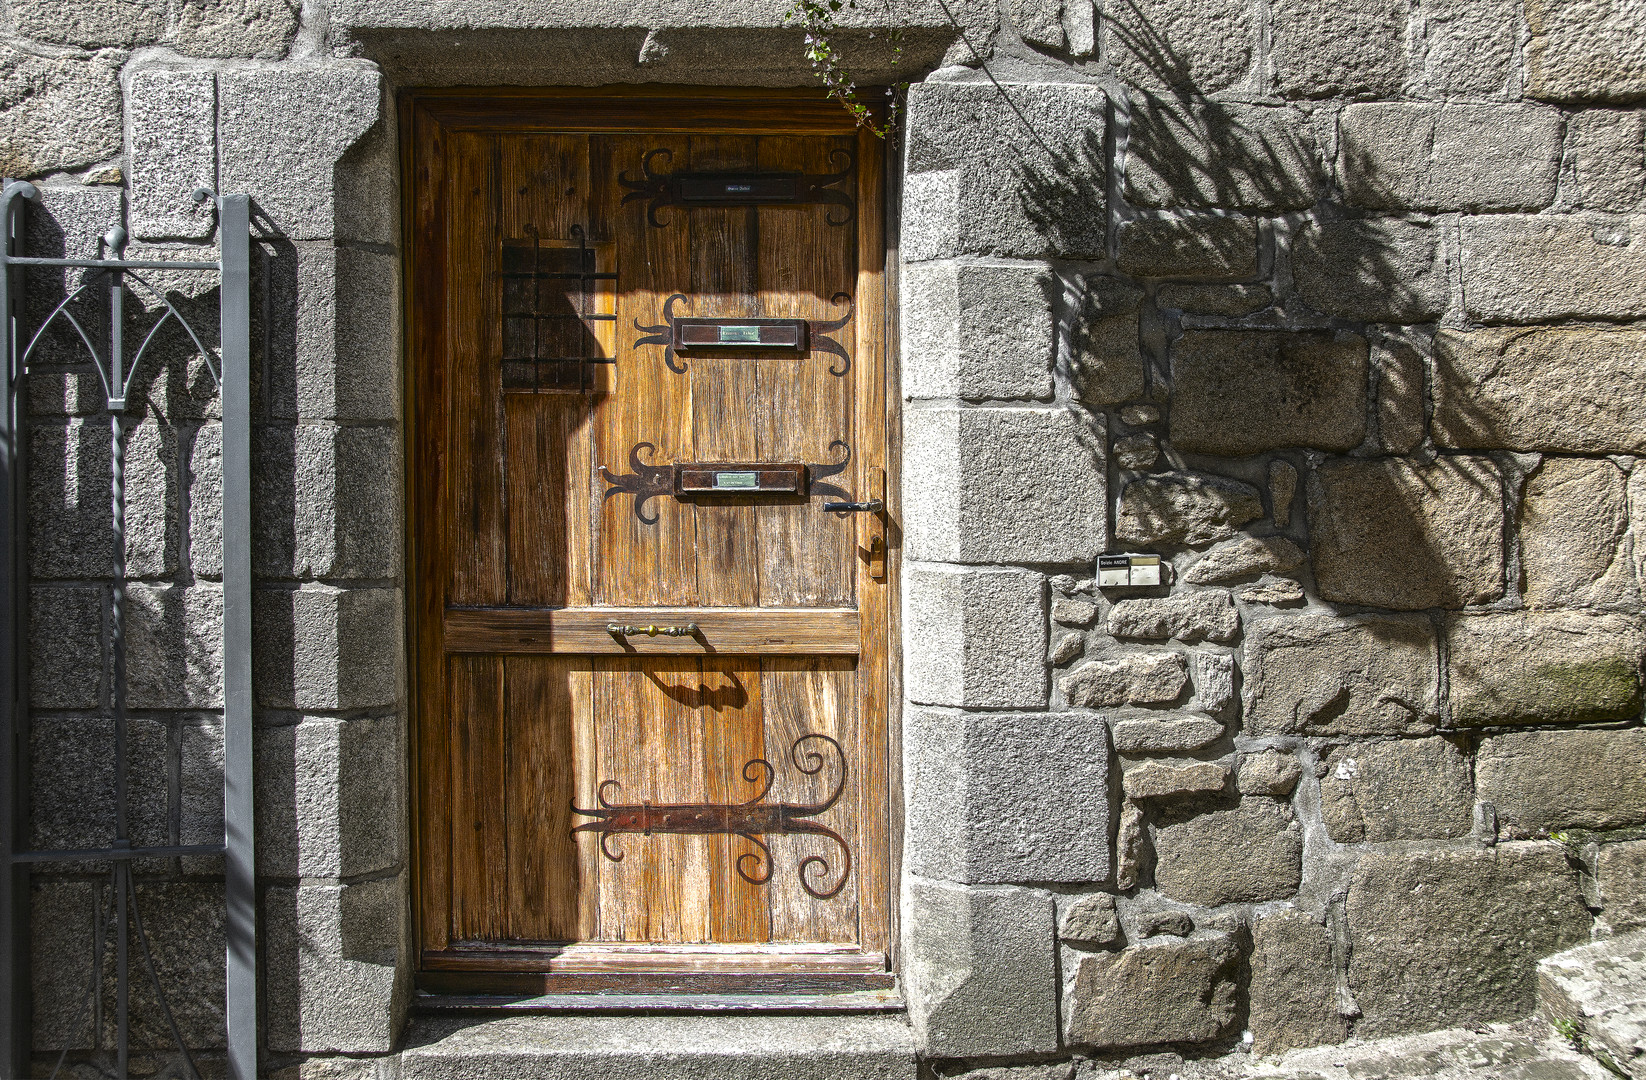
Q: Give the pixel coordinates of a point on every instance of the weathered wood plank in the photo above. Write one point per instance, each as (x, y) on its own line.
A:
(803, 409)
(540, 780)
(479, 811)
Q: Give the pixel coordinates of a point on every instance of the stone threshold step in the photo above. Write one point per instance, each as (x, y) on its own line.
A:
(862, 1001)
(1597, 992)
(765, 1047)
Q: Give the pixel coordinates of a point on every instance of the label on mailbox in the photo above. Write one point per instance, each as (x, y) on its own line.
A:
(728, 481)
(1125, 571)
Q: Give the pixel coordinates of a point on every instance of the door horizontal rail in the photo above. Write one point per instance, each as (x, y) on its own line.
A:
(587, 631)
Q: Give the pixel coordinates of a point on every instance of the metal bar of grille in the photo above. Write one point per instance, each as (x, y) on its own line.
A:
(14, 877)
(174, 851)
(234, 225)
(114, 264)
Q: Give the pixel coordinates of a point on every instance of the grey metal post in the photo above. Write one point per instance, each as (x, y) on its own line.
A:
(14, 877)
(234, 229)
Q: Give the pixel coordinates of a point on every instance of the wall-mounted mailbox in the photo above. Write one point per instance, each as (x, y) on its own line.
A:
(1122, 571)
(790, 335)
(739, 478)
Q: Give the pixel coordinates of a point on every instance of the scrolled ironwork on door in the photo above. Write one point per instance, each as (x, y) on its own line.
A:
(743, 188)
(646, 482)
(751, 820)
(670, 334)
(120, 917)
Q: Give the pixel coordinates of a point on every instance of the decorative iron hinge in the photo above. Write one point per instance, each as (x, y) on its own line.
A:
(648, 482)
(750, 820)
(681, 334)
(741, 188)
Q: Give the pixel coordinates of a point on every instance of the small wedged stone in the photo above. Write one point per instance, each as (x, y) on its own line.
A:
(1213, 680)
(1393, 534)
(1544, 781)
(1070, 612)
(1139, 415)
(1242, 556)
(1159, 991)
(1361, 675)
(1129, 839)
(1282, 487)
(1239, 392)
(1162, 779)
(1090, 920)
(1248, 854)
(1268, 773)
(1067, 648)
(1164, 924)
(1127, 679)
(1207, 614)
(1164, 735)
(1405, 789)
(1273, 591)
(1189, 508)
(1136, 451)
(1543, 667)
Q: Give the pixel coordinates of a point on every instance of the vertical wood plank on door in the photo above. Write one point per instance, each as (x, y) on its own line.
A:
(732, 725)
(544, 181)
(480, 885)
(540, 781)
(876, 908)
(641, 563)
(477, 518)
(803, 696)
(806, 556)
(427, 467)
(581, 681)
(723, 387)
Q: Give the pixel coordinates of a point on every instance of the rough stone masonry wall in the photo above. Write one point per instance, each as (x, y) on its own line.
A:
(1337, 308)
(1336, 305)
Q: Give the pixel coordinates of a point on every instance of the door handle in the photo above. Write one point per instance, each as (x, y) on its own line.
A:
(873, 506)
(875, 553)
(621, 630)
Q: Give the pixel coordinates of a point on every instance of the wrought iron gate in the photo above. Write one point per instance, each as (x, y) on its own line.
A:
(114, 276)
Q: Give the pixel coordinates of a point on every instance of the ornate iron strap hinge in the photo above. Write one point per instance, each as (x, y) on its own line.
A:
(750, 820)
(741, 188)
(678, 333)
(647, 482)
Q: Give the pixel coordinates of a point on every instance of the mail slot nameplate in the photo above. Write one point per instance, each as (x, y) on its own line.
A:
(740, 478)
(792, 335)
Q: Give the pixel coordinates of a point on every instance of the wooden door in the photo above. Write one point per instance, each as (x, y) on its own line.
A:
(647, 348)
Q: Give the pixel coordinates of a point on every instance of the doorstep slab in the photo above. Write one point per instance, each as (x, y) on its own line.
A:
(1601, 988)
(660, 1048)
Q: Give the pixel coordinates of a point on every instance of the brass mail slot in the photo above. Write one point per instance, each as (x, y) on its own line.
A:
(788, 334)
(739, 478)
(738, 189)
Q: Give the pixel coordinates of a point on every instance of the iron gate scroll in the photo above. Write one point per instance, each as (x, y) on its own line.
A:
(113, 276)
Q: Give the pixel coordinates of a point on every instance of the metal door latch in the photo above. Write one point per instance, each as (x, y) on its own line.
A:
(873, 506)
(621, 630)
